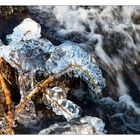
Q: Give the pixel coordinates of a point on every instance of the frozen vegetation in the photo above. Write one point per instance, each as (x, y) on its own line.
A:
(27, 53)
(77, 70)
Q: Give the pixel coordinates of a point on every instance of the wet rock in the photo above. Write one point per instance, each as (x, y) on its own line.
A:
(1, 42)
(122, 123)
(134, 14)
(113, 43)
(6, 11)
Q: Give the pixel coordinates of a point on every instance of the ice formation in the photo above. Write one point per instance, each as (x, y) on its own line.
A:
(71, 53)
(86, 125)
(66, 108)
(27, 30)
(60, 105)
(27, 114)
(94, 121)
(111, 34)
(28, 54)
(55, 93)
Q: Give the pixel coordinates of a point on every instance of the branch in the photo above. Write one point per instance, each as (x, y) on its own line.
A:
(41, 85)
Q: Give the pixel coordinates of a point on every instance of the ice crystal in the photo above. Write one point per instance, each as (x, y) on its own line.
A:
(62, 106)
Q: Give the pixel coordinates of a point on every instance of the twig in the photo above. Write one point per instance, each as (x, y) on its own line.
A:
(22, 104)
(41, 85)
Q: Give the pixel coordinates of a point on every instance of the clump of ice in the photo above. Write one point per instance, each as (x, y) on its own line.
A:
(28, 54)
(27, 30)
(86, 125)
(95, 122)
(71, 53)
(60, 56)
(55, 93)
(62, 106)
(26, 114)
(66, 108)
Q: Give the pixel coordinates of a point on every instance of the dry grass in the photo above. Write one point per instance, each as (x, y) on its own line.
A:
(7, 115)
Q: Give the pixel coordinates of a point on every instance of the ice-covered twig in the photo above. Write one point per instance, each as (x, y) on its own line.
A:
(72, 53)
(44, 83)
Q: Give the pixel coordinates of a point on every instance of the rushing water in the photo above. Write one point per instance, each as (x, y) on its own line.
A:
(110, 35)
